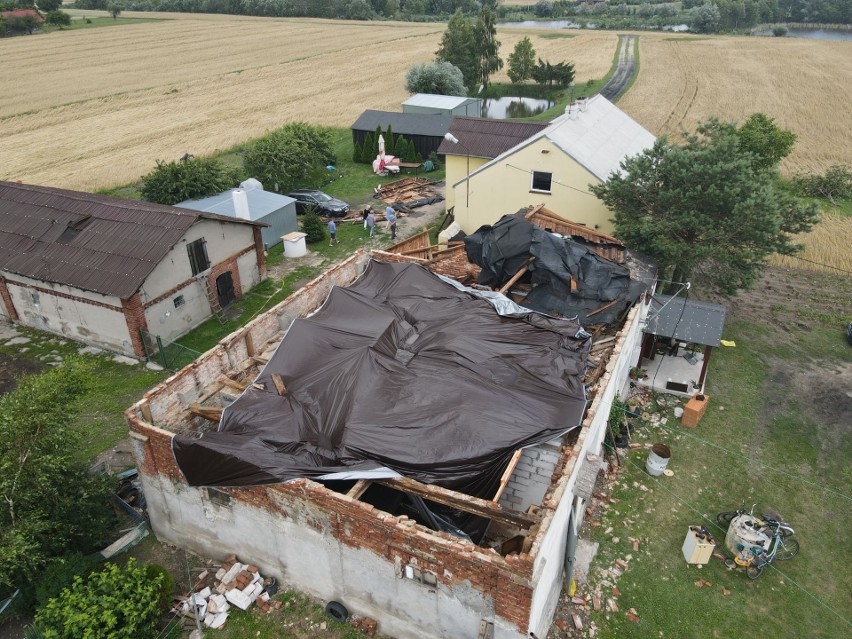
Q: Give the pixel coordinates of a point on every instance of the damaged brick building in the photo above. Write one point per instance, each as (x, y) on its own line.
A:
(345, 538)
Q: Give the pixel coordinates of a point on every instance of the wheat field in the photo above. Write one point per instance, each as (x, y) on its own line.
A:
(95, 108)
(806, 85)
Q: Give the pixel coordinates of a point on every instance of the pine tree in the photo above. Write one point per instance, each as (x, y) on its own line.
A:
(458, 47)
(390, 143)
(312, 225)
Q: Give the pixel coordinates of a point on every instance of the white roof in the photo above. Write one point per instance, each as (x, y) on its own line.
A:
(438, 101)
(598, 137)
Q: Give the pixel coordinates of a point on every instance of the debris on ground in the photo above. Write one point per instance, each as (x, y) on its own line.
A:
(235, 584)
(407, 193)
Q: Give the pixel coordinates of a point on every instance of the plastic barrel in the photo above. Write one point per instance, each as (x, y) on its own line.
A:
(658, 459)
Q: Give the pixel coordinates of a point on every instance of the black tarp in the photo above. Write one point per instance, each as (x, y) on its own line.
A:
(403, 371)
(502, 249)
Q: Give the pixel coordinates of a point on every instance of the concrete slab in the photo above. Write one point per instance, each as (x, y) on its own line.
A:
(586, 552)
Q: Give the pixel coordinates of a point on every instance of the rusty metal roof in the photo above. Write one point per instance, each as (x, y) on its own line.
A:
(483, 138)
(95, 243)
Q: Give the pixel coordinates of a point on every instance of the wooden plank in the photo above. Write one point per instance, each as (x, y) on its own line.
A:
(259, 360)
(524, 268)
(602, 308)
(210, 413)
(232, 383)
(145, 409)
(249, 343)
(507, 474)
(359, 488)
(465, 503)
(280, 388)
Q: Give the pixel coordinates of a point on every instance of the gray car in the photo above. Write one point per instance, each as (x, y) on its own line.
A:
(325, 205)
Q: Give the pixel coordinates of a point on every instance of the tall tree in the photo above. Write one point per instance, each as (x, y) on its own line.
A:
(49, 504)
(704, 210)
(522, 61)
(457, 48)
(486, 46)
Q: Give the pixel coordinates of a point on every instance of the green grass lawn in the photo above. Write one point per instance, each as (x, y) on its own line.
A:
(766, 438)
(116, 386)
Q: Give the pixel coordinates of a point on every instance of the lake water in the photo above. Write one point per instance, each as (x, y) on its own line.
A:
(813, 34)
(513, 107)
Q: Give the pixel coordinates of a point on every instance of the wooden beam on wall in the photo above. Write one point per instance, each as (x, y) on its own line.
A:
(211, 413)
(465, 503)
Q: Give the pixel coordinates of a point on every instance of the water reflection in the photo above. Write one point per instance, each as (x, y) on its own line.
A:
(513, 107)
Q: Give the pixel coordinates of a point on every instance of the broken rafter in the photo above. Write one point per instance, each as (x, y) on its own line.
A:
(524, 268)
(210, 413)
(507, 474)
(359, 488)
(280, 388)
(465, 503)
(602, 308)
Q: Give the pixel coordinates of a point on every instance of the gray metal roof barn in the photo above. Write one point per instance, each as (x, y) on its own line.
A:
(443, 104)
(278, 211)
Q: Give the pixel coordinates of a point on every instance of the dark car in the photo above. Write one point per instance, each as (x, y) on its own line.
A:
(324, 204)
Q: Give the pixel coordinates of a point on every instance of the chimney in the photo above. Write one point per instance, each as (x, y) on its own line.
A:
(241, 207)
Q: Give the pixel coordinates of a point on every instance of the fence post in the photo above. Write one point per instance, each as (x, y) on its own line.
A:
(163, 358)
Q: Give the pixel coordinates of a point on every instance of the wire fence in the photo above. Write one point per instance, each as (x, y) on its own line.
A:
(171, 356)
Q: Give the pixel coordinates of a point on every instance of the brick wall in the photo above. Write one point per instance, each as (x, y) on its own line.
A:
(398, 540)
(134, 315)
(7, 300)
(532, 477)
(261, 253)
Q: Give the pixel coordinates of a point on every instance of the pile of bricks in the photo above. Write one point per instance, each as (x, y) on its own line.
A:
(237, 584)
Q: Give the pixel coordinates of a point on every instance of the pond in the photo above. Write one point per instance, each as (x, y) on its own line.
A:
(542, 24)
(513, 107)
(813, 34)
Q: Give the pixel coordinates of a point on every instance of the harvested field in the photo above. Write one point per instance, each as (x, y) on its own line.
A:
(827, 244)
(98, 107)
(804, 84)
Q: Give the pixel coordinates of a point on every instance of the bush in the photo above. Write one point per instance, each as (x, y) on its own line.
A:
(188, 179)
(155, 572)
(58, 18)
(291, 157)
(779, 32)
(834, 184)
(116, 603)
(60, 573)
(441, 78)
(313, 225)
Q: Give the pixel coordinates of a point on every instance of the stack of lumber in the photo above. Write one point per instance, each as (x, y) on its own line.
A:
(405, 190)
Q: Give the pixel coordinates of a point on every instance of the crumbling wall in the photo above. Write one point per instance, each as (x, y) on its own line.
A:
(452, 263)
(548, 548)
(532, 477)
(415, 582)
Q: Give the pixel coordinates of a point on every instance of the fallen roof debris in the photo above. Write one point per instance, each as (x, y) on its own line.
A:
(566, 277)
(401, 373)
(407, 193)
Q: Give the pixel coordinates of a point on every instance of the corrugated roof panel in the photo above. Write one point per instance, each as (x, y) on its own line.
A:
(484, 138)
(428, 124)
(112, 253)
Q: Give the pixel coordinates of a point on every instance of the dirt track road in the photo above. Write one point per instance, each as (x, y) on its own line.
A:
(624, 71)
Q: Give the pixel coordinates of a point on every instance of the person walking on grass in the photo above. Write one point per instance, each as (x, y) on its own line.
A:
(371, 223)
(332, 231)
(390, 215)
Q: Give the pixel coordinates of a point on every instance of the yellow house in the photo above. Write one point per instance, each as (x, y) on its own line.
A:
(553, 165)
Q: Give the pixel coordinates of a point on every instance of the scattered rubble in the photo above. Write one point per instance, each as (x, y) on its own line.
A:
(236, 584)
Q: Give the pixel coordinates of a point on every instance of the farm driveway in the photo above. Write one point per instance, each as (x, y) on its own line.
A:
(625, 69)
